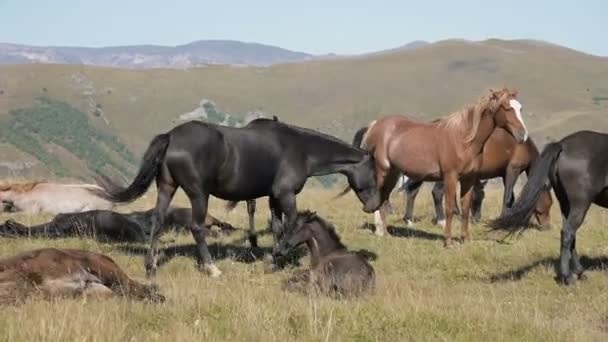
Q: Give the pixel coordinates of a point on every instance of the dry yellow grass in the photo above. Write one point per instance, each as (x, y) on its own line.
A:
(424, 292)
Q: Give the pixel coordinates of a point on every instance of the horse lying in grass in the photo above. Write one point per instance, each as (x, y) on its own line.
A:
(55, 273)
(334, 271)
(52, 198)
(577, 169)
(105, 225)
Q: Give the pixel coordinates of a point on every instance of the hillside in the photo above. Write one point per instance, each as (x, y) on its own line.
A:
(562, 90)
(153, 56)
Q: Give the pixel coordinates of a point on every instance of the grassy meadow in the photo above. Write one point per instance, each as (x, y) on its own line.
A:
(424, 292)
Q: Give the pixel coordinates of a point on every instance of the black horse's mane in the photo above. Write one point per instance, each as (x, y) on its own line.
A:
(311, 216)
(305, 130)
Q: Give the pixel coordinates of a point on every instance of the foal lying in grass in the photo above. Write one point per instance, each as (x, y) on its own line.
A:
(67, 273)
(334, 270)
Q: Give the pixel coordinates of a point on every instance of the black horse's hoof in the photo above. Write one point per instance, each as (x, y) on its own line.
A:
(150, 273)
(568, 280)
(582, 276)
(253, 241)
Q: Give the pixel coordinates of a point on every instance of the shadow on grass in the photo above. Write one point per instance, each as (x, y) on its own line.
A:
(219, 251)
(406, 232)
(589, 264)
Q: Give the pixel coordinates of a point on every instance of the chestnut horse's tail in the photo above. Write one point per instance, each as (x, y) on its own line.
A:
(518, 216)
(149, 169)
(357, 142)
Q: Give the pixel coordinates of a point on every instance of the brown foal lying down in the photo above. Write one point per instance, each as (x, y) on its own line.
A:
(54, 273)
(334, 270)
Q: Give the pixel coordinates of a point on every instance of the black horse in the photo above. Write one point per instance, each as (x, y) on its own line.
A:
(264, 158)
(334, 270)
(106, 225)
(577, 169)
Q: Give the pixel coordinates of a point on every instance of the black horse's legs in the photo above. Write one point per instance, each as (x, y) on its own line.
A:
(276, 225)
(165, 194)
(477, 201)
(575, 262)
(574, 219)
(199, 202)
(411, 191)
(437, 193)
(253, 236)
(509, 182)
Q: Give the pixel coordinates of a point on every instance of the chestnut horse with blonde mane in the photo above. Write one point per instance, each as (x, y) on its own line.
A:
(52, 198)
(447, 149)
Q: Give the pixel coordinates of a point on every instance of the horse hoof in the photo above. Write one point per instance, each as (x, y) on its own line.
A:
(379, 232)
(582, 276)
(441, 223)
(212, 270)
(544, 227)
(449, 244)
(409, 223)
(566, 280)
(150, 272)
(253, 242)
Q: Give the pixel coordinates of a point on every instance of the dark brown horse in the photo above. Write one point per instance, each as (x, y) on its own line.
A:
(56, 273)
(333, 271)
(501, 157)
(448, 149)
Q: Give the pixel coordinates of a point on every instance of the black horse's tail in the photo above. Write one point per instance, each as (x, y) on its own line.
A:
(519, 215)
(149, 169)
(357, 140)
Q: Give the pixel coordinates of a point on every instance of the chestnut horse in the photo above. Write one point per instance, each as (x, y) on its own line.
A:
(447, 149)
(501, 157)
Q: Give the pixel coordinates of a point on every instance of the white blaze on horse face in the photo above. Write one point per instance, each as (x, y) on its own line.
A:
(517, 108)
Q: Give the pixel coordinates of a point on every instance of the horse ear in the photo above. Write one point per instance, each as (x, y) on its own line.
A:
(514, 92)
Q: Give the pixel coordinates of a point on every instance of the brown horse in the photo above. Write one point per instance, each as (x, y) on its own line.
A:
(67, 273)
(501, 157)
(448, 149)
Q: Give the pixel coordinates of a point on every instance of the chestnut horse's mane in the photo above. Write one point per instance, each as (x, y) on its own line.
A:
(459, 120)
(19, 187)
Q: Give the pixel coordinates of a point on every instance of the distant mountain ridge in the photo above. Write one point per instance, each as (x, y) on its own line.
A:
(154, 56)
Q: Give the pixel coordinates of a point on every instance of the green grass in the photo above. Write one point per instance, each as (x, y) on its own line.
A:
(424, 292)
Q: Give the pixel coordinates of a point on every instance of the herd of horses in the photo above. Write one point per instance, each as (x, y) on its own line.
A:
(273, 159)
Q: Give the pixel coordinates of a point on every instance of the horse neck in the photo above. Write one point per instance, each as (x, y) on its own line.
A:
(484, 131)
(321, 244)
(328, 156)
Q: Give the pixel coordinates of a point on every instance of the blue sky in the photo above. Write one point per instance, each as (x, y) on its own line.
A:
(313, 26)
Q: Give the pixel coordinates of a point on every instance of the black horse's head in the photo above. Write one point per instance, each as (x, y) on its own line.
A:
(297, 235)
(362, 179)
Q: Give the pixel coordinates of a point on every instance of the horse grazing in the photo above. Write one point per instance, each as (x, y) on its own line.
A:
(501, 157)
(577, 169)
(106, 225)
(445, 149)
(333, 269)
(68, 273)
(52, 198)
(264, 158)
